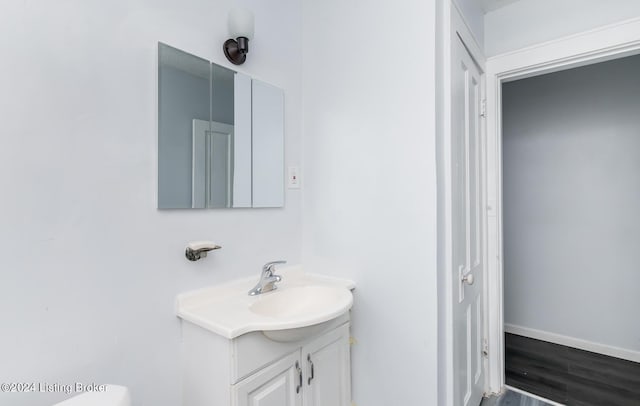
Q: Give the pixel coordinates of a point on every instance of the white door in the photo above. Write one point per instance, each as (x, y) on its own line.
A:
(327, 370)
(212, 164)
(279, 384)
(467, 236)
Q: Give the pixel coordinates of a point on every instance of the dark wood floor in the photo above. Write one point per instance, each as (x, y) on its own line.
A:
(570, 376)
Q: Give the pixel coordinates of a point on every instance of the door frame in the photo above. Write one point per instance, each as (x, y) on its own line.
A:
(452, 24)
(598, 45)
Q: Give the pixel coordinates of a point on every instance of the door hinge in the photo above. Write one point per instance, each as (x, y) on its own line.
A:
(485, 348)
(483, 108)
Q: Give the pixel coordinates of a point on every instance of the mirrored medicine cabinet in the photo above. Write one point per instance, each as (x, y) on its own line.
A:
(220, 136)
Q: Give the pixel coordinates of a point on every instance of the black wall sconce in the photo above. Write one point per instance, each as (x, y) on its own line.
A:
(241, 26)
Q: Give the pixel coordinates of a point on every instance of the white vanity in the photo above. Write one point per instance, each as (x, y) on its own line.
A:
(287, 347)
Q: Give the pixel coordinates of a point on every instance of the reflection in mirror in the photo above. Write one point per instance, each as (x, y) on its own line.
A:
(218, 164)
(195, 131)
(218, 146)
(213, 146)
(183, 101)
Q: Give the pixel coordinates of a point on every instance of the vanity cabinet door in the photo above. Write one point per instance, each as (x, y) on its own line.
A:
(327, 378)
(275, 385)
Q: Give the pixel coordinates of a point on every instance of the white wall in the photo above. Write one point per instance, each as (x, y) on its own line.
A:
(571, 197)
(89, 267)
(527, 22)
(369, 184)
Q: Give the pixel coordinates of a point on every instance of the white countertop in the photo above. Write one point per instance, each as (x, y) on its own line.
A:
(225, 309)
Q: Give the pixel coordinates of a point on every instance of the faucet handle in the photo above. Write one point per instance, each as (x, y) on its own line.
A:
(269, 266)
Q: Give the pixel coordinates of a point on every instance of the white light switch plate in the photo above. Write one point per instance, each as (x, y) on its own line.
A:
(293, 177)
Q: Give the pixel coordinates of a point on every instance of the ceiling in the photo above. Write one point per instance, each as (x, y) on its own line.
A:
(490, 5)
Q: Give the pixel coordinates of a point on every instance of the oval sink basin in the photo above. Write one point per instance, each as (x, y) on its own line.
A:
(303, 302)
(297, 334)
(304, 309)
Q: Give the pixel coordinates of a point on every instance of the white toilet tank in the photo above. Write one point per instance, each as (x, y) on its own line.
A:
(114, 395)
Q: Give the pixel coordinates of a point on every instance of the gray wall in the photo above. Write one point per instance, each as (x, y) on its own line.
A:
(572, 202)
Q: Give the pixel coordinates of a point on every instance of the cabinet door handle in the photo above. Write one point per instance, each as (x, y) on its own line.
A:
(299, 386)
(311, 364)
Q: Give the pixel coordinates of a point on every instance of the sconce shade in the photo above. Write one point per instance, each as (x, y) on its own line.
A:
(241, 23)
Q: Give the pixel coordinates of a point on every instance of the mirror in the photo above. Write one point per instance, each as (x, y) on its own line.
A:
(220, 136)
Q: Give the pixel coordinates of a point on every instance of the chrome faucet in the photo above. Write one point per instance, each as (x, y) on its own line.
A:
(267, 279)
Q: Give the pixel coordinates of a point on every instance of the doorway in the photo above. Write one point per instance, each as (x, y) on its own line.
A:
(606, 44)
(571, 192)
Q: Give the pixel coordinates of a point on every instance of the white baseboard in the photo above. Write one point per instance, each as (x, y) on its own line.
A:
(611, 351)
